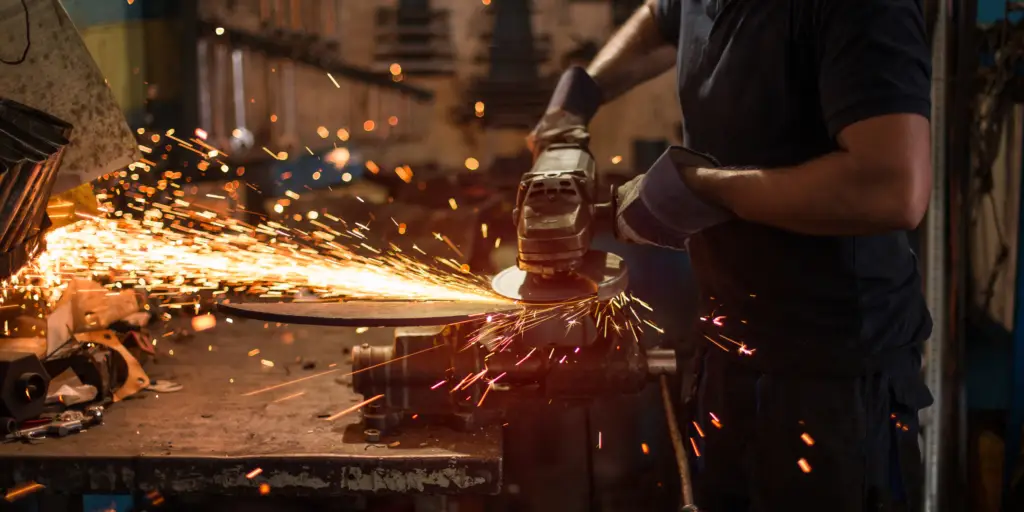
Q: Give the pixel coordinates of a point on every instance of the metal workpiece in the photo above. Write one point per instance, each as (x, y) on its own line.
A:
(368, 313)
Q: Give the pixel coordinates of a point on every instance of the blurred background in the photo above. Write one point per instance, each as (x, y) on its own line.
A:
(419, 109)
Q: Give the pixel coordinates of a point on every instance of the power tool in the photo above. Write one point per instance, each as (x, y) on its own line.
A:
(556, 217)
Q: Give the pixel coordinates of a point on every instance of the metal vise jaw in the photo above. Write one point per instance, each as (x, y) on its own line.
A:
(432, 373)
(416, 376)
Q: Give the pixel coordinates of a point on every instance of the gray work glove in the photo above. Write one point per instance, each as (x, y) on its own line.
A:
(657, 208)
(574, 102)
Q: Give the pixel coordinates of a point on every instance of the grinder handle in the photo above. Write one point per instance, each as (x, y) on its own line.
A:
(604, 215)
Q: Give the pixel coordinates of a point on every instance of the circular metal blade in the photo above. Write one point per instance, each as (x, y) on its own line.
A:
(602, 275)
(366, 313)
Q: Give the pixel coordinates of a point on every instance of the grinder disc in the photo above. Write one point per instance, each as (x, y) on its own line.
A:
(602, 274)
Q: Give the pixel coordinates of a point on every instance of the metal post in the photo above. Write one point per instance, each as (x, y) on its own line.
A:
(1015, 420)
(935, 265)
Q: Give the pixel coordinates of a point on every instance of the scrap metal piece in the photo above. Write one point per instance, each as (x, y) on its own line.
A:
(137, 379)
(367, 313)
(601, 274)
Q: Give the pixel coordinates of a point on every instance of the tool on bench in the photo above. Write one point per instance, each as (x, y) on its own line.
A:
(91, 416)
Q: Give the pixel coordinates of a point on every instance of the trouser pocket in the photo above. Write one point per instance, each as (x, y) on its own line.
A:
(908, 396)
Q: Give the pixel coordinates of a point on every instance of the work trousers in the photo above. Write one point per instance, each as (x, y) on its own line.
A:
(771, 443)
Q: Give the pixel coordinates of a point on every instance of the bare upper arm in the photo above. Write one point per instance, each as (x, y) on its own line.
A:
(894, 152)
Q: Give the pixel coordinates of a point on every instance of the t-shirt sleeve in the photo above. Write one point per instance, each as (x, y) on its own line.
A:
(873, 58)
(668, 15)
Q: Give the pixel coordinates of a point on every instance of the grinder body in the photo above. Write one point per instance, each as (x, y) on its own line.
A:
(556, 211)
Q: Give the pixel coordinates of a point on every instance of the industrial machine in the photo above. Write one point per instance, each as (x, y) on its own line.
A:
(60, 127)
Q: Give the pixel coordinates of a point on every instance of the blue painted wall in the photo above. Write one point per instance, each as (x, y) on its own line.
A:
(993, 10)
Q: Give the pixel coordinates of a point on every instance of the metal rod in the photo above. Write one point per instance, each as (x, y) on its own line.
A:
(686, 485)
(935, 266)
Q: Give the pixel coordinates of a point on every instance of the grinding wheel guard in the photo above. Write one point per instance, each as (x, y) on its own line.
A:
(658, 208)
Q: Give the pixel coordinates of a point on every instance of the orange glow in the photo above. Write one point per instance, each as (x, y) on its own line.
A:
(369, 125)
(807, 439)
(804, 465)
(202, 323)
(645, 448)
(393, 120)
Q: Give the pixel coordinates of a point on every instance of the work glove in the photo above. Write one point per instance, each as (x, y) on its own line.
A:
(658, 208)
(574, 102)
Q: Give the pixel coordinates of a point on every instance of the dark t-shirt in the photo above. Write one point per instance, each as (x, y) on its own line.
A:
(770, 83)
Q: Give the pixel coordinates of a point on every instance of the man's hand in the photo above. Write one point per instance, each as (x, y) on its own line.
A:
(658, 208)
(575, 100)
(556, 127)
(636, 53)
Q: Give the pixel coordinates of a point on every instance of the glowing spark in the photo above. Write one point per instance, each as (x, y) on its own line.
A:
(645, 448)
(288, 383)
(693, 443)
(355, 407)
(472, 164)
(254, 352)
(202, 323)
(289, 397)
(483, 230)
(453, 204)
(804, 465)
(482, 397)
(264, 489)
(360, 330)
(718, 320)
(266, 362)
(616, 159)
(714, 420)
(335, 82)
(599, 439)
(700, 431)
(254, 473)
(439, 384)
(807, 439)
(22, 491)
(523, 360)
(219, 31)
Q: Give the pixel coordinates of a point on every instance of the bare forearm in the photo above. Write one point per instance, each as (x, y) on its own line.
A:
(830, 196)
(636, 53)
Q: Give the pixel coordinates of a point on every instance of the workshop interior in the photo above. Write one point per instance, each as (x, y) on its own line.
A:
(296, 255)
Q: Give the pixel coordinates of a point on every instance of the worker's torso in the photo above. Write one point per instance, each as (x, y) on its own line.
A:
(748, 89)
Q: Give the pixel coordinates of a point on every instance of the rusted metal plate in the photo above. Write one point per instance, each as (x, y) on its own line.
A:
(209, 436)
(367, 313)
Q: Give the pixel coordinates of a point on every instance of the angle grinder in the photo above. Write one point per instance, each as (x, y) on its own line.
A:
(556, 216)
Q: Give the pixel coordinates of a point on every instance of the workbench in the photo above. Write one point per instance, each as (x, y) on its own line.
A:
(208, 437)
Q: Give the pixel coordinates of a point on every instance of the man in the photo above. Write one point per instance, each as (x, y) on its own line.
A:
(809, 156)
